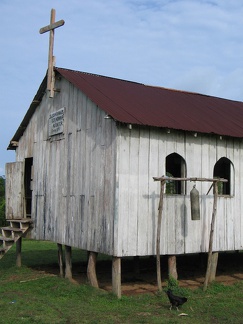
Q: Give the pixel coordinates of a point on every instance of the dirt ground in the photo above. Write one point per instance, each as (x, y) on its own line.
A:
(143, 278)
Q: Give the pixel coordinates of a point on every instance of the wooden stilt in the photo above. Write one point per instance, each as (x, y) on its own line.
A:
(18, 252)
(68, 262)
(213, 269)
(91, 269)
(172, 270)
(210, 248)
(60, 259)
(162, 184)
(116, 276)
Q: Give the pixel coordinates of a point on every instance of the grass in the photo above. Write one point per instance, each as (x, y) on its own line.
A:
(30, 295)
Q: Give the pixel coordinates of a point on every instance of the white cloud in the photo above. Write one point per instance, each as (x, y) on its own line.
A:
(194, 45)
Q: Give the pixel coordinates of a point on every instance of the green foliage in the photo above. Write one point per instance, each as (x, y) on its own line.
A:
(172, 283)
(2, 201)
(170, 185)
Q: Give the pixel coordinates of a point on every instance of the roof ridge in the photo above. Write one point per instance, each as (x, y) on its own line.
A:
(99, 75)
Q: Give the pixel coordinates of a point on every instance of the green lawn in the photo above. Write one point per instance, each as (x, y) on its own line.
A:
(29, 295)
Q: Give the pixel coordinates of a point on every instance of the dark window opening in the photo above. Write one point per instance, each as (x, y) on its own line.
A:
(222, 169)
(176, 168)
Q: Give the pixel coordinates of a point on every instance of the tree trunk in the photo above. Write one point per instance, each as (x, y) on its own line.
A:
(172, 267)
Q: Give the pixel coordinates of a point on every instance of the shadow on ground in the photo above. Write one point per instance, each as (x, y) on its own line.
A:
(142, 279)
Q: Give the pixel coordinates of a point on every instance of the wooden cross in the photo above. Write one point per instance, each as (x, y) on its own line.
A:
(51, 59)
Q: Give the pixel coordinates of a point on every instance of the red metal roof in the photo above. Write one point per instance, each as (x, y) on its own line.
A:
(136, 103)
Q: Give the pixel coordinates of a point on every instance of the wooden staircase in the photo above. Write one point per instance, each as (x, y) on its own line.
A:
(12, 233)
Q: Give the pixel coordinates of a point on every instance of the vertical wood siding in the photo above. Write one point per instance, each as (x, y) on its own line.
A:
(94, 189)
(14, 192)
(74, 172)
(145, 150)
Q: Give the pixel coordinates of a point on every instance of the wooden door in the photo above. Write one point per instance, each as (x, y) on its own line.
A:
(14, 190)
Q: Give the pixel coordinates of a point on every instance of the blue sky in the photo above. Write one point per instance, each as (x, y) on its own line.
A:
(192, 45)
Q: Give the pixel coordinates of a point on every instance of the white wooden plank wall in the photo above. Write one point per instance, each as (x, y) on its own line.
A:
(73, 196)
(93, 186)
(180, 234)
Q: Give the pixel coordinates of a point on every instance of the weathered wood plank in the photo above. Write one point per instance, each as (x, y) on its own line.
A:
(68, 262)
(18, 252)
(91, 269)
(116, 276)
(14, 190)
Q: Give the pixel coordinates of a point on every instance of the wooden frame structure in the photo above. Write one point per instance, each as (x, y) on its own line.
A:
(212, 259)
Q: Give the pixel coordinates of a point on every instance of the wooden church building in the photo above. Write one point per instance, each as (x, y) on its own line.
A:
(86, 158)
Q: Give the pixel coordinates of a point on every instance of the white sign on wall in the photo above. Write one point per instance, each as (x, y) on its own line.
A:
(56, 122)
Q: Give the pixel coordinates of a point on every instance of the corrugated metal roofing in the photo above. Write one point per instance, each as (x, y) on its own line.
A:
(136, 103)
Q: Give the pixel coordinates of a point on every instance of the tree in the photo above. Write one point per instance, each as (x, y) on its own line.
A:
(2, 201)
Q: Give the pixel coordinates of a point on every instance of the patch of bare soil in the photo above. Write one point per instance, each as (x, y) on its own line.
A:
(143, 278)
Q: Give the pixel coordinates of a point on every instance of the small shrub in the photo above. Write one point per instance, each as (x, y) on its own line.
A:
(172, 283)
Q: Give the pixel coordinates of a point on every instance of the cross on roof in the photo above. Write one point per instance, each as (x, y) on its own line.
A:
(51, 59)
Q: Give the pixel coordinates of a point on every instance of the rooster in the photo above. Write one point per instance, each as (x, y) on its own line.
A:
(175, 300)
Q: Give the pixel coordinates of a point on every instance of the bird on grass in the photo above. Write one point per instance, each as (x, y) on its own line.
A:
(175, 300)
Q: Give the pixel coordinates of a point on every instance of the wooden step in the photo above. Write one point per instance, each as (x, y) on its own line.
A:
(6, 239)
(13, 229)
(11, 234)
(22, 220)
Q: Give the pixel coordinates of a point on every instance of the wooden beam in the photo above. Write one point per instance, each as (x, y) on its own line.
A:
(18, 252)
(14, 143)
(91, 269)
(51, 59)
(68, 262)
(116, 276)
(60, 259)
(213, 270)
(210, 248)
(190, 179)
(162, 184)
(55, 25)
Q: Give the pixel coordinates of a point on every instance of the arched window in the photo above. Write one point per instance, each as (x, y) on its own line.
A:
(224, 169)
(175, 167)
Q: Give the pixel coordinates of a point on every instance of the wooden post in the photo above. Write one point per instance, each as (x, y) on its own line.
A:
(116, 276)
(68, 262)
(18, 252)
(60, 259)
(172, 271)
(91, 269)
(162, 184)
(213, 267)
(210, 248)
(51, 59)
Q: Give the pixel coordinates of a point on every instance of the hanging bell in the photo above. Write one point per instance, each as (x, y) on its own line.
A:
(195, 207)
